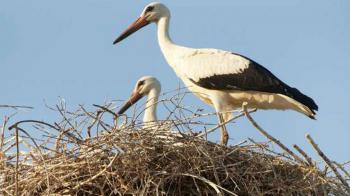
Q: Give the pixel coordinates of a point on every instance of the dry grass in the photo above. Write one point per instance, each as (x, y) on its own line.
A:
(84, 155)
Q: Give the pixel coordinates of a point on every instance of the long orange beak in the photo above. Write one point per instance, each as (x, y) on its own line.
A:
(138, 24)
(135, 96)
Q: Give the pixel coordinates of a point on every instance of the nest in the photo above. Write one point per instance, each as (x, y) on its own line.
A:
(130, 160)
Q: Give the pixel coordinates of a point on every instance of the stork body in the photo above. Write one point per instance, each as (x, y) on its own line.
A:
(220, 78)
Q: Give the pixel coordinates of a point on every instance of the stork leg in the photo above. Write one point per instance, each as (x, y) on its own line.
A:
(224, 133)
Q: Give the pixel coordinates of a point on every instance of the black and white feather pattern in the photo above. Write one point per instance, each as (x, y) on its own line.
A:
(247, 75)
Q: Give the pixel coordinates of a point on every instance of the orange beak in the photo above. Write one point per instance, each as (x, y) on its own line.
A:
(135, 96)
(138, 24)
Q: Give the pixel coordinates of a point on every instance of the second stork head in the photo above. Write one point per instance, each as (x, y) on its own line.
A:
(146, 86)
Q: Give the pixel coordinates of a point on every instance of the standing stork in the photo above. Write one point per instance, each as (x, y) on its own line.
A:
(222, 79)
(146, 86)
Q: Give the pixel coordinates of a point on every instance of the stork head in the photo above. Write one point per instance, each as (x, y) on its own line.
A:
(151, 13)
(142, 88)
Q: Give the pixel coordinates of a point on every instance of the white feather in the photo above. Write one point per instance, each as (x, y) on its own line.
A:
(202, 63)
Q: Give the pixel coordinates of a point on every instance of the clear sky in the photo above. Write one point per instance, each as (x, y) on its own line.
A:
(52, 49)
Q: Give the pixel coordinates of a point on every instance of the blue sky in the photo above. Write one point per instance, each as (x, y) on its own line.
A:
(52, 49)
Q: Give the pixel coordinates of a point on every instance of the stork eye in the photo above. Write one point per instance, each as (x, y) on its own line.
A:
(149, 8)
(142, 82)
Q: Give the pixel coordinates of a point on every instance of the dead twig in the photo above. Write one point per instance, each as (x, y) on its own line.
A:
(2, 135)
(327, 161)
(303, 153)
(212, 184)
(106, 109)
(341, 167)
(32, 121)
(221, 124)
(16, 107)
(268, 136)
(17, 160)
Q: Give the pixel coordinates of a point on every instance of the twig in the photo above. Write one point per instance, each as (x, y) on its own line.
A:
(17, 159)
(16, 106)
(32, 139)
(106, 109)
(265, 147)
(69, 135)
(262, 131)
(327, 161)
(221, 124)
(47, 124)
(2, 136)
(67, 120)
(346, 163)
(94, 120)
(212, 184)
(32, 121)
(341, 167)
(303, 153)
(100, 113)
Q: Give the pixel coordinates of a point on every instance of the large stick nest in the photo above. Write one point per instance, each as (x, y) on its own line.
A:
(136, 161)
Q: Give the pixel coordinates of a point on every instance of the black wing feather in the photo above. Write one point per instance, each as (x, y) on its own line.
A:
(254, 78)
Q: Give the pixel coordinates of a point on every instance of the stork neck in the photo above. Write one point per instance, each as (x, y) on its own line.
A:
(164, 39)
(150, 114)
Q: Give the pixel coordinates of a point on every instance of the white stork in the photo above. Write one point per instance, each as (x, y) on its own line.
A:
(220, 78)
(150, 86)
(146, 86)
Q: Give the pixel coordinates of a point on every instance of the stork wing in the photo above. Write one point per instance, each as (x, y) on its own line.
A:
(221, 70)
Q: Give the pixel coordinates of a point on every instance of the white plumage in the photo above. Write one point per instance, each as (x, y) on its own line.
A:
(220, 78)
(150, 87)
(146, 86)
(201, 63)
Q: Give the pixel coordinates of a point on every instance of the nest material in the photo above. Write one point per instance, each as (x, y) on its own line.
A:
(135, 161)
(148, 162)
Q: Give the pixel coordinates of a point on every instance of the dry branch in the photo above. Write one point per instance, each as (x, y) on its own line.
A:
(17, 159)
(303, 153)
(327, 161)
(16, 107)
(341, 167)
(224, 123)
(2, 135)
(268, 136)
